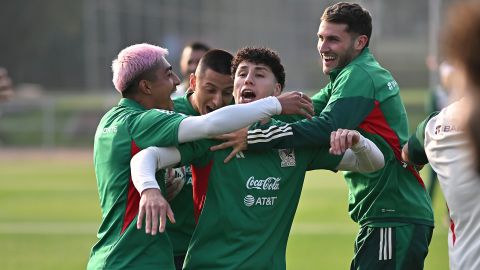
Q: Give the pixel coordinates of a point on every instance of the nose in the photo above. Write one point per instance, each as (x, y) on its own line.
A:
(176, 80)
(321, 46)
(217, 100)
(250, 79)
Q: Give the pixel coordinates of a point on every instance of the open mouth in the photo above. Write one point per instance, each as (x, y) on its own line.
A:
(209, 109)
(248, 95)
(328, 58)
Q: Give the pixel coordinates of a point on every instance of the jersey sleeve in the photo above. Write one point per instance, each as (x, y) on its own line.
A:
(352, 99)
(322, 159)
(416, 149)
(195, 152)
(155, 128)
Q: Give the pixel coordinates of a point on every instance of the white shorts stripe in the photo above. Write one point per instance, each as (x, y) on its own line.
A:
(389, 243)
(385, 244)
(381, 245)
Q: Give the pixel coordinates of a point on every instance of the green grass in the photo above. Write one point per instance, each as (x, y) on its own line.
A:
(50, 214)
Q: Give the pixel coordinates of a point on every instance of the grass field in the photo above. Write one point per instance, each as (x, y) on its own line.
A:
(50, 214)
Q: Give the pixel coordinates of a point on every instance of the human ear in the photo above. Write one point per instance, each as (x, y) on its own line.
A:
(277, 90)
(145, 87)
(193, 81)
(360, 42)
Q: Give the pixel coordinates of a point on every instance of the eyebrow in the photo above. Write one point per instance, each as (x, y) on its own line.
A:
(258, 67)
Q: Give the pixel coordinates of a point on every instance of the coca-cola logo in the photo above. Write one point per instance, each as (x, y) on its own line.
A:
(271, 183)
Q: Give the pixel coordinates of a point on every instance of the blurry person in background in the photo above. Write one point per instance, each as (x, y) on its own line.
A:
(6, 88)
(461, 42)
(439, 99)
(445, 138)
(191, 55)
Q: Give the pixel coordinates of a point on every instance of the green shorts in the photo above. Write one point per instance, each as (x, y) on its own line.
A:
(399, 247)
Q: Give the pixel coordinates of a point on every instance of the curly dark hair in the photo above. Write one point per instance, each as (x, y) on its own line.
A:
(357, 19)
(260, 55)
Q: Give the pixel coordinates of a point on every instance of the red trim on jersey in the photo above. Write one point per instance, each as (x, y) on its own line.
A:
(452, 228)
(376, 123)
(133, 197)
(200, 177)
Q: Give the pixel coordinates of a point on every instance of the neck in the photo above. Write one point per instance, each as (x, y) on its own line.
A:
(193, 102)
(146, 103)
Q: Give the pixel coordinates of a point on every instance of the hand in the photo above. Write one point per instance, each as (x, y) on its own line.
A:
(237, 140)
(154, 208)
(296, 103)
(5, 85)
(175, 179)
(407, 159)
(342, 139)
(405, 153)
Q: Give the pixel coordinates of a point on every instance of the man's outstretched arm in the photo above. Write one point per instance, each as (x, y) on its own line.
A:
(231, 118)
(345, 113)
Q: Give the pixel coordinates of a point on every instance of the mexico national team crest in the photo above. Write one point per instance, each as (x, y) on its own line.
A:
(287, 156)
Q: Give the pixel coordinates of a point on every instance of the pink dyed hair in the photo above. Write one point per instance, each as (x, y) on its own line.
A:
(133, 61)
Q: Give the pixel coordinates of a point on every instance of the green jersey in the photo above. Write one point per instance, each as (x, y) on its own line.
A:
(122, 132)
(181, 231)
(362, 96)
(416, 148)
(249, 206)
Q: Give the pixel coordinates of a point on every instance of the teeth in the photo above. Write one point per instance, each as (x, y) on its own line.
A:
(328, 57)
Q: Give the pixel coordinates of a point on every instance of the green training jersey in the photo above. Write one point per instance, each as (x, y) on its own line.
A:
(362, 96)
(122, 132)
(250, 204)
(181, 231)
(416, 148)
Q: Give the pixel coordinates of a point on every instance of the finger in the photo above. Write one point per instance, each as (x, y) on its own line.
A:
(223, 137)
(343, 140)
(308, 106)
(141, 214)
(356, 137)
(155, 218)
(148, 221)
(349, 139)
(230, 156)
(332, 149)
(162, 220)
(170, 214)
(305, 114)
(307, 98)
(221, 146)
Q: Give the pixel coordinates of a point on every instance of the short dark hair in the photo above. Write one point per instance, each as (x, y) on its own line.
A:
(217, 60)
(260, 55)
(357, 19)
(198, 46)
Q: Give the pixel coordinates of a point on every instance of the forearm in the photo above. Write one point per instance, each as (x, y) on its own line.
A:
(146, 162)
(227, 119)
(347, 113)
(305, 133)
(363, 157)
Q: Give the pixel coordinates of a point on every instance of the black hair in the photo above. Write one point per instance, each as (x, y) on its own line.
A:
(260, 55)
(217, 60)
(357, 19)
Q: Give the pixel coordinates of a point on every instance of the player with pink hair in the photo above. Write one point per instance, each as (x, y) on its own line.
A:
(144, 118)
